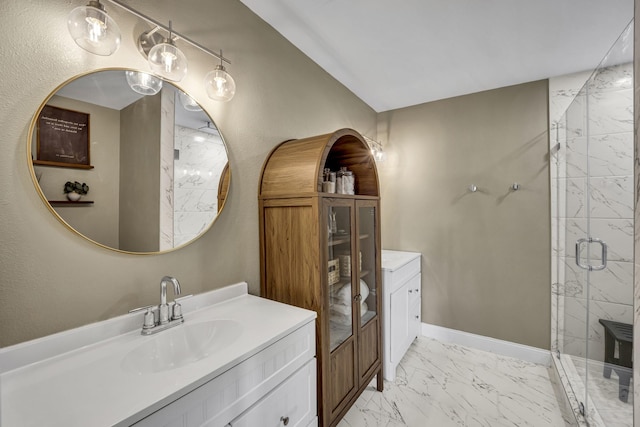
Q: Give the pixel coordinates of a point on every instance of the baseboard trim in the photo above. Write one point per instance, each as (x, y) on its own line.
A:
(493, 345)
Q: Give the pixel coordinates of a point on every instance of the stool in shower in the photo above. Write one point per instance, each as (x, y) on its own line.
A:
(623, 334)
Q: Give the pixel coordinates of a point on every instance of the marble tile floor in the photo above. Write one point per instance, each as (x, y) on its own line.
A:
(603, 393)
(440, 385)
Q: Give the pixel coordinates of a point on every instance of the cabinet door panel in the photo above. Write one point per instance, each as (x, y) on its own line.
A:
(368, 346)
(399, 319)
(368, 253)
(339, 272)
(293, 403)
(343, 376)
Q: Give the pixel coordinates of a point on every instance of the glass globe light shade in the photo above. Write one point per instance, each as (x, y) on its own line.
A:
(166, 60)
(219, 84)
(143, 83)
(93, 30)
(188, 102)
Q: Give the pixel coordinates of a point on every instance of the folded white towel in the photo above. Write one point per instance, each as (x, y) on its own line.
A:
(364, 290)
(363, 308)
(343, 294)
(341, 309)
(345, 310)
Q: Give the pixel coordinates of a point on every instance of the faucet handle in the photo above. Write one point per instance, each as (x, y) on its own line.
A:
(146, 307)
(177, 308)
(149, 318)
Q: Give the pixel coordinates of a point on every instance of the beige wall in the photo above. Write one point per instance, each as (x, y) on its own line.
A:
(51, 279)
(140, 175)
(486, 264)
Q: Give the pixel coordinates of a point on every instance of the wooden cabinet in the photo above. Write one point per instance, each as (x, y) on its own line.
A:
(401, 284)
(321, 251)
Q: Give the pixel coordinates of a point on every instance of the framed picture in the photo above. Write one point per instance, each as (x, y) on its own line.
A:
(63, 137)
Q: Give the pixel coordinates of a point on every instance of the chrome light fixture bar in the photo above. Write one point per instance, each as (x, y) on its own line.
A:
(164, 27)
(97, 33)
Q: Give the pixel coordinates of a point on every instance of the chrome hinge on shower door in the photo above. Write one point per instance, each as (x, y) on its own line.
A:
(590, 267)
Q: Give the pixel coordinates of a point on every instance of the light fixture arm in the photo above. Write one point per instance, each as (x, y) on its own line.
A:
(170, 30)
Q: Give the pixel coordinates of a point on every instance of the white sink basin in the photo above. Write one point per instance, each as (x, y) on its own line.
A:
(180, 346)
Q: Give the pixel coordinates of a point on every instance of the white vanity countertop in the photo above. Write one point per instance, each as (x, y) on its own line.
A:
(393, 260)
(87, 386)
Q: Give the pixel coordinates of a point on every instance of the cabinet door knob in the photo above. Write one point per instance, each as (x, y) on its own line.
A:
(410, 291)
(417, 290)
(285, 420)
(417, 317)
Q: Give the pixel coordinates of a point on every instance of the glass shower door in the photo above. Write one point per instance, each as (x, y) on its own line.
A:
(594, 213)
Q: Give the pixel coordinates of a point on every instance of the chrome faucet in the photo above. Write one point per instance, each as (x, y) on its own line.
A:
(164, 307)
(168, 314)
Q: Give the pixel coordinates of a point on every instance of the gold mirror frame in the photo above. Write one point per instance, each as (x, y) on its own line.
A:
(220, 193)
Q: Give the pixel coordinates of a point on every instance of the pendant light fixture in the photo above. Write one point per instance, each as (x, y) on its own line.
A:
(143, 83)
(166, 60)
(188, 103)
(93, 30)
(219, 84)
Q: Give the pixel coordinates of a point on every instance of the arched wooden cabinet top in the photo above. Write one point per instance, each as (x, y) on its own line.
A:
(295, 167)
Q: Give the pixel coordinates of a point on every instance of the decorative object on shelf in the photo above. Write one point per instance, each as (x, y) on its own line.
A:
(143, 83)
(75, 190)
(97, 33)
(93, 30)
(334, 271)
(63, 137)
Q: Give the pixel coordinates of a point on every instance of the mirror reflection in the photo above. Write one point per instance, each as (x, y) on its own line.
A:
(155, 165)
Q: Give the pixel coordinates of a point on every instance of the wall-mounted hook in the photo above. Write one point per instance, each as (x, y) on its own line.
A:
(473, 188)
(515, 186)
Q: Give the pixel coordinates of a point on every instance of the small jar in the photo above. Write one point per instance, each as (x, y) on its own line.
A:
(340, 189)
(348, 183)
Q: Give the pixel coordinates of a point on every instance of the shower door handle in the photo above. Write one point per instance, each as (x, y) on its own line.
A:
(589, 267)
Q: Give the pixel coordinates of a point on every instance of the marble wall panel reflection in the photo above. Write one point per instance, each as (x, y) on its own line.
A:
(202, 157)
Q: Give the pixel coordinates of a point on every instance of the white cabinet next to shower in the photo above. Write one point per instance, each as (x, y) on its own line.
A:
(401, 286)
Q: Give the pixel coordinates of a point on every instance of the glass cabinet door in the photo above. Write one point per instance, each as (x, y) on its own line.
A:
(368, 253)
(339, 249)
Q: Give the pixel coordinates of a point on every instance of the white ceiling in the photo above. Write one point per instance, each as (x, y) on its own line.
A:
(394, 54)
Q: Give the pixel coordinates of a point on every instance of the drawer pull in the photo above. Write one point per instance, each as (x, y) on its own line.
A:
(417, 317)
(285, 420)
(417, 290)
(410, 291)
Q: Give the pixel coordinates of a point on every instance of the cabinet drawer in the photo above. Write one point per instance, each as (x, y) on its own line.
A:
(292, 404)
(225, 397)
(397, 278)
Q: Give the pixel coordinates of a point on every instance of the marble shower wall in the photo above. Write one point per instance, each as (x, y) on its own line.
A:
(202, 157)
(598, 125)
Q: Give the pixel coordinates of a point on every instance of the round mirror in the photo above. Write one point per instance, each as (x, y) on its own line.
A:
(129, 161)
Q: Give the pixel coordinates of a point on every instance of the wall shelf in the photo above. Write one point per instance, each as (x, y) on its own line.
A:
(60, 164)
(70, 203)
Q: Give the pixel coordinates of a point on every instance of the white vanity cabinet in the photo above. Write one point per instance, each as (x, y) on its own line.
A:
(401, 285)
(275, 387)
(237, 360)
